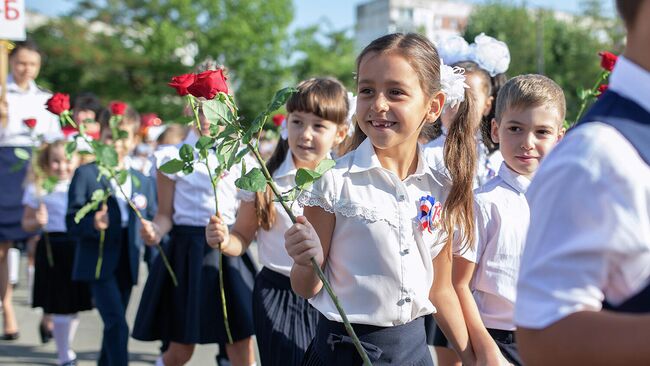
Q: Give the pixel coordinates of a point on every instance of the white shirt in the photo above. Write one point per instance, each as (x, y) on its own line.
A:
(589, 238)
(193, 195)
(502, 218)
(55, 202)
(486, 163)
(272, 253)
(379, 263)
(127, 187)
(26, 104)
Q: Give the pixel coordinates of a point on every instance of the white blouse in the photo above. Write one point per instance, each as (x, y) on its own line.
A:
(380, 260)
(589, 238)
(502, 218)
(272, 253)
(26, 104)
(55, 202)
(193, 196)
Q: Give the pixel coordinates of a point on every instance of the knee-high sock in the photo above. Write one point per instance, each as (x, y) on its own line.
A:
(65, 327)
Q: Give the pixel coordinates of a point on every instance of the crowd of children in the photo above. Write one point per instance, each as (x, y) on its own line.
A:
(433, 228)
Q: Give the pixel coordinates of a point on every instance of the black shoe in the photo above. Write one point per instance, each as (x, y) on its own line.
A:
(10, 336)
(70, 363)
(45, 333)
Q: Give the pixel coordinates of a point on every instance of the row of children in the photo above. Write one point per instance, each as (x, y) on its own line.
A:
(393, 254)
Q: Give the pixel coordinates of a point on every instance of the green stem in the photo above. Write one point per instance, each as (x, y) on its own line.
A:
(222, 292)
(593, 90)
(100, 258)
(316, 267)
(48, 248)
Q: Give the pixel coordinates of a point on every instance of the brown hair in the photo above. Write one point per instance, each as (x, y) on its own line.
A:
(324, 97)
(529, 91)
(39, 171)
(130, 117)
(629, 9)
(28, 44)
(460, 148)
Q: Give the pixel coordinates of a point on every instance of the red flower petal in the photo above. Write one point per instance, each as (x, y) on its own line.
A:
(607, 60)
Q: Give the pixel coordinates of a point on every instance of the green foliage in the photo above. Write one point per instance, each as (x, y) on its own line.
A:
(566, 50)
(21, 153)
(253, 181)
(98, 196)
(50, 183)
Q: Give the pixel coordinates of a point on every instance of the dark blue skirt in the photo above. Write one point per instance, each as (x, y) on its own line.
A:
(11, 195)
(403, 345)
(192, 313)
(285, 323)
(54, 290)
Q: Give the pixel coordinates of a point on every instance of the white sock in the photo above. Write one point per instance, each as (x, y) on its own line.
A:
(64, 328)
(30, 283)
(159, 361)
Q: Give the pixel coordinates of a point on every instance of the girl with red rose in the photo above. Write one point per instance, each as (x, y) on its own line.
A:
(45, 209)
(285, 323)
(25, 101)
(190, 313)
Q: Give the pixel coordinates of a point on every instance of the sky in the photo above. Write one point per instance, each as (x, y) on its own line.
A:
(339, 13)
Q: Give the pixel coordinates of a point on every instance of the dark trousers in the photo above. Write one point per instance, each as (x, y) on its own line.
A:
(111, 297)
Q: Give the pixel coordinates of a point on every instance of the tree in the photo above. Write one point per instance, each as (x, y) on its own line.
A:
(569, 46)
(324, 52)
(129, 49)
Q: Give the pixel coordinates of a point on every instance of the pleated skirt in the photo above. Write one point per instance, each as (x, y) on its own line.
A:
(403, 345)
(54, 290)
(285, 323)
(192, 312)
(11, 194)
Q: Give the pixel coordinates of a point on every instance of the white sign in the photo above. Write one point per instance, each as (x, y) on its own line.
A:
(12, 20)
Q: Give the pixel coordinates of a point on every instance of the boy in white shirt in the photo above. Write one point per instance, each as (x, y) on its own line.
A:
(584, 288)
(528, 123)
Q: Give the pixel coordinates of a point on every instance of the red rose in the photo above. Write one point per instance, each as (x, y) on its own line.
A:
(68, 130)
(607, 60)
(602, 89)
(181, 82)
(59, 103)
(30, 122)
(208, 84)
(117, 108)
(277, 119)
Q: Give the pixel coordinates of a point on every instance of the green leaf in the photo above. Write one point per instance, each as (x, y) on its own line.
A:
(103, 172)
(135, 180)
(172, 167)
(121, 176)
(217, 112)
(121, 134)
(50, 183)
(305, 177)
(186, 153)
(253, 181)
(106, 155)
(97, 197)
(21, 153)
(240, 157)
(280, 98)
(204, 143)
(325, 165)
(70, 147)
(188, 167)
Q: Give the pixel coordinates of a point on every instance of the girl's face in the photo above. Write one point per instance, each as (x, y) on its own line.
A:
(25, 65)
(122, 146)
(59, 165)
(477, 85)
(391, 105)
(311, 138)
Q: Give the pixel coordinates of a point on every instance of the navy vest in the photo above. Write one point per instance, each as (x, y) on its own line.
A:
(633, 122)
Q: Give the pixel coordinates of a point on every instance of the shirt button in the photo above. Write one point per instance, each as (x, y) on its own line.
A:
(408, 299)
(401, 197)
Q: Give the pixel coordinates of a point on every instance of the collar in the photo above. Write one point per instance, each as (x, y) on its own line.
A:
(365, 159)
(287, 167)
(13, 87)
(631, 81)
(513, 179)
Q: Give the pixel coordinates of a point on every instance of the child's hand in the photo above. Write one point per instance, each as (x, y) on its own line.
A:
(149, 232)
(495, 357)
(216, 233)
(41, 215)
(4, 108)
(302, 243)
(101, 218)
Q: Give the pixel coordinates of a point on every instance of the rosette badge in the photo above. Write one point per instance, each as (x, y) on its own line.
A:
(429, 211)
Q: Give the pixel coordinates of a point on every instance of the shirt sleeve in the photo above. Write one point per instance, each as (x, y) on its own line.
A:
(163, 155)
(582, 227)
(29, 197)
(321, 193)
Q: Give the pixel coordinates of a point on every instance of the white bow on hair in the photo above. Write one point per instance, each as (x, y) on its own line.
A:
(489, 53)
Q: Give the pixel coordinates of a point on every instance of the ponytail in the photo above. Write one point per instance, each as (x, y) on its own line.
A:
(460, 159)
(264, 201)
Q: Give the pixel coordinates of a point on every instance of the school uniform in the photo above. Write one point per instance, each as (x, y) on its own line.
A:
(54, 290)
(380, 260)
(191, 313)
(588, 245)
(23, 104)
(121, 252)
(285, 323)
